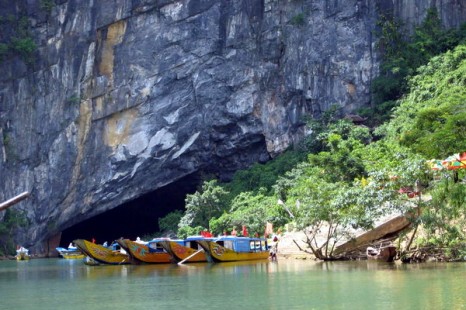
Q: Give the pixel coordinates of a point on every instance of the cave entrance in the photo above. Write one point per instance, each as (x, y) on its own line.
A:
(136, 218)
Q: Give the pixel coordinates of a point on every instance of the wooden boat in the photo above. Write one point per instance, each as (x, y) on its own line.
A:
(22, 253)
(71, 252)
(102, 254)
(383, 254)
(232, 248)
(146, 252)
(188, 250)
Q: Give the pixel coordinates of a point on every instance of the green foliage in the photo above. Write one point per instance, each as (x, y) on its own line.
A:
(11, 154)
(25, 47)
(73, 99)
(12, 220)
(298, 19)
(4, 50)
(17, 40)
(348, 186)
(402, 55)
(186, 231)
(263, 175)
(317, 203)
(445, 218)
(431, 119)
(47, 5)
(328, 125)
(204, 205)
(253, 211)
(169, 223)
(339, 162)
(339, 180)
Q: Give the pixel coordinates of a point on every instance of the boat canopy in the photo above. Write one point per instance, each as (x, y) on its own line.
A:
(243, 244)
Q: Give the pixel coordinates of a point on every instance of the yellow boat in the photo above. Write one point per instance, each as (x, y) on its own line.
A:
(71, 252)
(232, 248)
(73, 255)
(22, 254)
(188, 250)
(102, 254)
(147, 252)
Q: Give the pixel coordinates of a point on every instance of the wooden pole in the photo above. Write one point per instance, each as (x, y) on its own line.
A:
(180, 263)
(5, 205)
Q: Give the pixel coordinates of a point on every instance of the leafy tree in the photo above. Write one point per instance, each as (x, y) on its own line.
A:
(186, 231)
(348, 187)
(431, 120)
(403, 54)
(204, 205)
(169, 223)
(25, 47)
(252, 210)
(445, 219)
(263, 176)
(311, 201)
(12, 220)
(16, 40)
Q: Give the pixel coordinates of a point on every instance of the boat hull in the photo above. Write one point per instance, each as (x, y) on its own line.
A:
(73, 255)
(219, 253)
(181, 253)
(70, 254)
(22, 256)
(101, 254)
(141, 253)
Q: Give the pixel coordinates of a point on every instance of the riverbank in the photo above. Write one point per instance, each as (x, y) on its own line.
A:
(287, 248)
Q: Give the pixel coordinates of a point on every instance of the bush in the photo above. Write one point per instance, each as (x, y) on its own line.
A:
(26, 48)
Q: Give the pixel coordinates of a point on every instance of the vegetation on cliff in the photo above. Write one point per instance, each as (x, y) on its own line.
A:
(402, 56)
(13, 219)
(345, 177)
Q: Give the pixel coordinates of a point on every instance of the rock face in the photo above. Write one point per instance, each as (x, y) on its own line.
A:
(124, 97)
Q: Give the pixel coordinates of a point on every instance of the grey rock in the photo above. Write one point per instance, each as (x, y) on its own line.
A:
(125, 97)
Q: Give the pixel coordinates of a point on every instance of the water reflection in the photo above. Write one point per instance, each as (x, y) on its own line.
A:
(286, 284)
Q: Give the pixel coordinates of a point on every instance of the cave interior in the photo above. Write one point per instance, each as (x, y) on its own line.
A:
(136, 218)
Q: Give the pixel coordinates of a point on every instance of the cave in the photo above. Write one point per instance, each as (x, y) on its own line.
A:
(136, 218)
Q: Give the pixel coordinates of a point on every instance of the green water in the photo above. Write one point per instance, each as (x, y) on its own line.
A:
(286, 284)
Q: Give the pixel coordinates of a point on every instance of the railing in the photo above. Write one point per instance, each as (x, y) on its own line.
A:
(5, 205)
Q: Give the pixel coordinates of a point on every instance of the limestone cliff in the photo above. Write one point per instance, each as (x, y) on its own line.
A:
(125, 96)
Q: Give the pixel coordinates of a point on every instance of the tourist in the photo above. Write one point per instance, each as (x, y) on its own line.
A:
(274, 249)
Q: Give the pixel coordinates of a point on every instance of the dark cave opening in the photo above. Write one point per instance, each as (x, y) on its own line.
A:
(136, 218)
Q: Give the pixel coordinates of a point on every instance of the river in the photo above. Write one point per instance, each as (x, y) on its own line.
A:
(286, 284)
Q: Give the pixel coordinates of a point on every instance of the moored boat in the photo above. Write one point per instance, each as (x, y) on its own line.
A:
(188, 250)
(72, 252)
(102, 254)
(232, 248)
(146, 252)
(22, 253)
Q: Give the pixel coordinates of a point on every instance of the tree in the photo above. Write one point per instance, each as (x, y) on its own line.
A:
(169, 223)
(12, 220)
(431, 119)
(252, 210)
(403, 54)
(204, 205)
